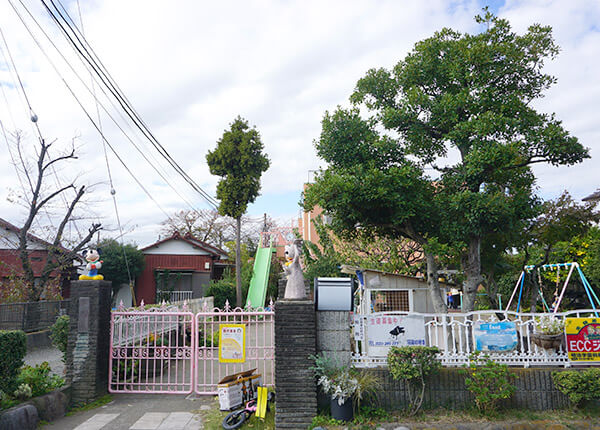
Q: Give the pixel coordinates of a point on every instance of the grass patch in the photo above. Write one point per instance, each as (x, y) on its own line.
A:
(213, 418)
(370, 418)
(92, 405)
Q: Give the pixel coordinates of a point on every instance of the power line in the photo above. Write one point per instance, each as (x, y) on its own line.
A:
(107, 80)
(112, 188)
(92, 120)
(92, 92)
(89, 90)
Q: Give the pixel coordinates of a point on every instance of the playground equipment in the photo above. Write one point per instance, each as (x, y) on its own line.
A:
(257, 292)
(557, 297)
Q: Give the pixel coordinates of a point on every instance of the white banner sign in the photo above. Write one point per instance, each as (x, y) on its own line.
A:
(359, 328)
(385, 331)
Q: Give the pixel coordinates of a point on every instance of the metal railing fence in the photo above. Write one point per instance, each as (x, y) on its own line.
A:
(31, 316)
(452, 333)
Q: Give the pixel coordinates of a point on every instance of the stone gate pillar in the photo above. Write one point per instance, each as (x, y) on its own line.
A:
(295, 385)
(89, 337)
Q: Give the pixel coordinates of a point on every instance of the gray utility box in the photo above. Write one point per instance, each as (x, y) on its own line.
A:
(333, 294)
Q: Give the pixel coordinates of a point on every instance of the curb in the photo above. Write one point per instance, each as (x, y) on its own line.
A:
(26, 416)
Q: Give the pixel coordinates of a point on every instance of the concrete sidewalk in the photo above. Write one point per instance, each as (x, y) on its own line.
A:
(140, 412)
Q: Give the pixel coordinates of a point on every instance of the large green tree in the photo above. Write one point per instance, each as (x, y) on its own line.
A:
(121, 263)
(464, 101)
(238, 159)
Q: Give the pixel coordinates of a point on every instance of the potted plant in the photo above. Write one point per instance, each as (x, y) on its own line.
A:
(344, 385)
(549, 332)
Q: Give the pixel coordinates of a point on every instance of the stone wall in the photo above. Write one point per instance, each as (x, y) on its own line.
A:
(89, 337)
(535, 391)
(295, 341)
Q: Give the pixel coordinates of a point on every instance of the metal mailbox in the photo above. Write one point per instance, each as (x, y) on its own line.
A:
(333, 294)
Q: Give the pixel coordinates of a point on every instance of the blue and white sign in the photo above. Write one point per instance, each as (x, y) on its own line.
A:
(498, 336)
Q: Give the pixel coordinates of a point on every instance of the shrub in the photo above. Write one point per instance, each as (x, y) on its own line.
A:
(488, 381)
(578, 385)
(13, 347)
(23, 392)
(413, 364)
(222, 290)
(60, 335)
(39, 379)
(343, 382)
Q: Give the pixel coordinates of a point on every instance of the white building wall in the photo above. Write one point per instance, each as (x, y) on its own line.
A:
(10, 240)
(176, 247)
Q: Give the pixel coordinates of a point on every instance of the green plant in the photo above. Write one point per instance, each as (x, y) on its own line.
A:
(222, 290)
(125, 370)
(368, 385)
(488, 381)
(578, 385)
(39, 379)
(335, 379)
(60, 334)
(23, 392)
(413, 364)
(343, 382)
(92, 405)
(13, 347)
(548, 324)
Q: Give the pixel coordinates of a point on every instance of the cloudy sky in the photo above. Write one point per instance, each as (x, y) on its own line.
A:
(190, 67)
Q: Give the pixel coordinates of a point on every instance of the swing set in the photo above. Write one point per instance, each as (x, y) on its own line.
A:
(557, 297)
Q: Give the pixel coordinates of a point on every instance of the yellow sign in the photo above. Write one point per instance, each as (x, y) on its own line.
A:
(232, 343)
(583, 339)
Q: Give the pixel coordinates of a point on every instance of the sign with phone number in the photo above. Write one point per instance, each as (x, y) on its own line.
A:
(583, 339)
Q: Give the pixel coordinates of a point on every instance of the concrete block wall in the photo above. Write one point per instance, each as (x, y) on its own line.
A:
(333, 335)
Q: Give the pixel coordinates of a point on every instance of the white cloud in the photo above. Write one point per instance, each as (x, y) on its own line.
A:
(190, 67)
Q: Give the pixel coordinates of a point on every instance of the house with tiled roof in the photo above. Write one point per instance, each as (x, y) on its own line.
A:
(594, 197)
(181, 265)
(10, 262)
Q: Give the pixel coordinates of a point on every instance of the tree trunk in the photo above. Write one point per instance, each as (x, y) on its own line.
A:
(534, 291)
(433, 285)
(472, 267)
(238, 263)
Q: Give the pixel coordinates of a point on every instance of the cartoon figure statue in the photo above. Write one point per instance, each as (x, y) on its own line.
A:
(94, 263)
(294, 288)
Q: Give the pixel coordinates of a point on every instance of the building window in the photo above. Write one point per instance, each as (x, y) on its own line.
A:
(387, 301)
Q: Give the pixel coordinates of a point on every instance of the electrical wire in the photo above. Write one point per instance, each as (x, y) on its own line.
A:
(92, 93)
(105, 77)
(96, 126)
(112, 188)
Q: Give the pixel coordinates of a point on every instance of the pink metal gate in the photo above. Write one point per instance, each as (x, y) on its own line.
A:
(167, 350)
(260, 346)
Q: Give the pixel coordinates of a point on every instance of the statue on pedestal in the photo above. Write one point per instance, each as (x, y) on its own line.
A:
(294, 288)
(93, 264)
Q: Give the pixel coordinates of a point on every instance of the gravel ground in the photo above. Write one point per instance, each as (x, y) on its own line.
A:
(52, 355)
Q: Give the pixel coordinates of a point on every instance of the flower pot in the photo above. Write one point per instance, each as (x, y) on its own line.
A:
(547, 341)
(342, 412)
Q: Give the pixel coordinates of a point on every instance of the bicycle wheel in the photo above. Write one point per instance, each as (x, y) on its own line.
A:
(235, 419)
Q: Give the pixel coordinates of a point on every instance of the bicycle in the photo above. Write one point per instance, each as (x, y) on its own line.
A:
(235, 419)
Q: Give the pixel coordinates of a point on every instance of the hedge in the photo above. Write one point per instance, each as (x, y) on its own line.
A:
(13, 347)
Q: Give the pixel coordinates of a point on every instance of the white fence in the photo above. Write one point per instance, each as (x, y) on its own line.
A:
(173, 296)
(452, 333)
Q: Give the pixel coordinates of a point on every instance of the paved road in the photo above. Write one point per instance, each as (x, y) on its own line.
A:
(140, 412)
(52, 355)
